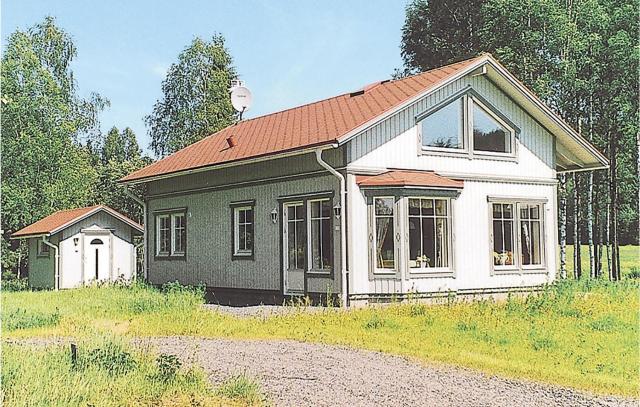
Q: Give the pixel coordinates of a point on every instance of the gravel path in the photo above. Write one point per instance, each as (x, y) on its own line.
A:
(304, 374)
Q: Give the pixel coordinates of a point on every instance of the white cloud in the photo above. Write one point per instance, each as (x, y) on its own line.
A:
(160, 70)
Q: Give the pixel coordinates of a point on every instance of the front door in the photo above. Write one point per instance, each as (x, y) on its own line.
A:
(97, 266)
(295, 247)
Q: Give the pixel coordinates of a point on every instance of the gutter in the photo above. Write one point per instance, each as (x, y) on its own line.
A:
(344, 294)
(144, 234)
(56, 264)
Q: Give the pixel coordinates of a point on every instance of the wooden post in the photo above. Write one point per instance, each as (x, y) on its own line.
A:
(74, 356)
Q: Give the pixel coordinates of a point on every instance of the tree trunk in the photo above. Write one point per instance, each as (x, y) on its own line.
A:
(577, 258)
(613, 192)
(608, 242)
(592, 261)
(563, 226)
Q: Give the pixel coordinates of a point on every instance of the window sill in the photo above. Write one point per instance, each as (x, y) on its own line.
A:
(384, 273)
(431, 273)
(495, 156)
(240, 256)
(538, 269)
(320, 273)
(170, 257)
(455, 153)
(506, 271)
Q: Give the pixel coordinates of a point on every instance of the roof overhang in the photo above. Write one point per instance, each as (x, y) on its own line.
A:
(573, 152)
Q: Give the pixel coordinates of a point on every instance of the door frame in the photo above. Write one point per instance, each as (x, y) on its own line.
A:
(284, 258)
(107, 236)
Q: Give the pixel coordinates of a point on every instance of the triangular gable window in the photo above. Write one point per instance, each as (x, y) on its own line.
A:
(467, 125)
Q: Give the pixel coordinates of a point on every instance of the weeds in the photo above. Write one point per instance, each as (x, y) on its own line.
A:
(20, 318)
(241, 387)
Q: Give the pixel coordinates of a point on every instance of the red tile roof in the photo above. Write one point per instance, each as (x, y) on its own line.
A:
(310, 125)
(61, 219)
(405, 178)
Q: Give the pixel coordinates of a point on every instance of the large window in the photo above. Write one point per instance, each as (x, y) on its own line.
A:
(171, 234)
(517, 234)
(467, 125)
(384, 234)
(503, 236)
(428, 233)
(320, 241)
(243, 236)
(530, 234)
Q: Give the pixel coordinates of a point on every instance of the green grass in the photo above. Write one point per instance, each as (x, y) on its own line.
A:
(107, 373)
(629, 260)
(582, 334)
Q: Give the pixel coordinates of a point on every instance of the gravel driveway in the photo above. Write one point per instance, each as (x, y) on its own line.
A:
(303, 374)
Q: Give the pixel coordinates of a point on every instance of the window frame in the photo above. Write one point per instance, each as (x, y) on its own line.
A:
(309, 219)
(469, 98)
(236, 207)
(519, 268)
(170, 214)
(382, 271)
(432, 271)
(40, 252)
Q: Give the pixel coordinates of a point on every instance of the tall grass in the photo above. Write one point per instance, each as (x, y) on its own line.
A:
(582, 334)
(107, 373)
(629, 261)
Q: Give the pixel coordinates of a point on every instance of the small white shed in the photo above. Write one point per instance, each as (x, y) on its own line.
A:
(74, 247)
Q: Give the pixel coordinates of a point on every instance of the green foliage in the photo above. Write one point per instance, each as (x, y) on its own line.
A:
(195, 100)
(13, 283)
(44, 166)
(242, 387)
(168, 366)
(109, 373)
(20, 318)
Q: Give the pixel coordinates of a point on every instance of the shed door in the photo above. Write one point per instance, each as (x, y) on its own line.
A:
(97, 257)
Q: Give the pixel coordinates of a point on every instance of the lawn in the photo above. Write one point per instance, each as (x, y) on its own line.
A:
(629, 260)
(581, 334)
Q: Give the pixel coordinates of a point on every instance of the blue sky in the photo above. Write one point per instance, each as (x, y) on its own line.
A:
(287, 52)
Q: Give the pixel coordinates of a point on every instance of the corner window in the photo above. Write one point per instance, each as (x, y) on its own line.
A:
(243, 221)
(467, 125)
(320, 234)
(43, 249)
(517, 235)
(171, 234)
(429, 232)
(444, 128)
(384, 249)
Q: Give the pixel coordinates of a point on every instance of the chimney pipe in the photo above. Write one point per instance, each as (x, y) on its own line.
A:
(231, 141)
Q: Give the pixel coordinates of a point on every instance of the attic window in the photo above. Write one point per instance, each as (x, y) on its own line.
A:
(468, 125)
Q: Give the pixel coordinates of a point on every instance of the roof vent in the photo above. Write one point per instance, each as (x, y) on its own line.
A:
(231, 141)
(367, 88)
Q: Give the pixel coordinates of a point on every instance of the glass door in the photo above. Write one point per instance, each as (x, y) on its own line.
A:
(295, 247)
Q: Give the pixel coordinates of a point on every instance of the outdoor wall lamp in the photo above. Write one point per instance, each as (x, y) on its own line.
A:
(75, 241)
(274, 215)
(337, 210)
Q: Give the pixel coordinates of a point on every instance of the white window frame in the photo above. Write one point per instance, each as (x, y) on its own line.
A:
(237, 251)
(506, 269)
(374, 241)
(449, 217)
(518, 267)
(468, 149)
(309, 220)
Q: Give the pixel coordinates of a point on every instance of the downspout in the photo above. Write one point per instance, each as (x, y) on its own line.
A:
(144, 233)
(343, 232)
(56, 264)
(135, 260)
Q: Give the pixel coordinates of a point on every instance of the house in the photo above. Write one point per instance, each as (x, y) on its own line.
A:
(442, 182)
(74, 247)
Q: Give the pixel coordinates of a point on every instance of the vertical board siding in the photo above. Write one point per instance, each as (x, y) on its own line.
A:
(209, 230)
(394, 141)
(471, 243)
(41, 269)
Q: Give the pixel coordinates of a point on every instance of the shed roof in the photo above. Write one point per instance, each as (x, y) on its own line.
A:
(60, 220)
(404, 178)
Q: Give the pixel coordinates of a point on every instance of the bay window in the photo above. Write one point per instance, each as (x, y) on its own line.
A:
(171, 234)
(384, 247)
(428, 233)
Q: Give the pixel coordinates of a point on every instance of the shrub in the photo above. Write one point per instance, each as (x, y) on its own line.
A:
(241, 387)
(634, 272)
(168, 366)
(23, 319)
(374, 322)
(14, 284)
(110, 356)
